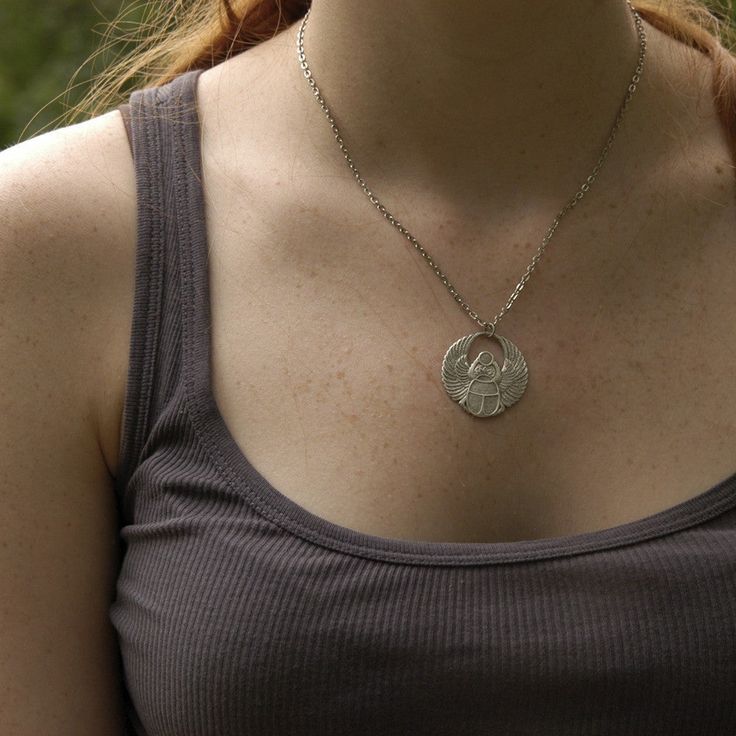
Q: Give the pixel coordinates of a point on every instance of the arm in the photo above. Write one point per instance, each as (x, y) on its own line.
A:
(59, 555)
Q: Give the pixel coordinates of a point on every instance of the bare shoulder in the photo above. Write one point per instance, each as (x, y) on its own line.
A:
(65, 225)
(67, 166)
(68, 225)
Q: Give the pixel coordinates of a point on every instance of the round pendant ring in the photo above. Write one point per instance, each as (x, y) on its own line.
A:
(481, 387)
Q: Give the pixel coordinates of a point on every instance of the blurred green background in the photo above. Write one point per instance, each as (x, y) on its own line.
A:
(43, 46)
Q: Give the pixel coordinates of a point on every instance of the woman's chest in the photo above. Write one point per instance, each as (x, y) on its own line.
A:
(328, 342)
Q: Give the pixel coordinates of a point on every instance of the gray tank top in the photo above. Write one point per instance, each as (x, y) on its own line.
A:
(240, 613)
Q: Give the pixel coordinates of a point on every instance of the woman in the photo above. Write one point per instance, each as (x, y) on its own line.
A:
(259, 479)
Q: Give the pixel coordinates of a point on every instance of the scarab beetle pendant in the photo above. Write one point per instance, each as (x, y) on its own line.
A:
(482, 388)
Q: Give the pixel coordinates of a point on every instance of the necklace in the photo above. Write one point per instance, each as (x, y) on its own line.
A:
(482, 388)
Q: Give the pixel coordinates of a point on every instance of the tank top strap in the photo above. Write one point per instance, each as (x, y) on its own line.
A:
(164, 134)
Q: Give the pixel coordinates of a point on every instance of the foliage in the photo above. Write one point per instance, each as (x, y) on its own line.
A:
(43, 48)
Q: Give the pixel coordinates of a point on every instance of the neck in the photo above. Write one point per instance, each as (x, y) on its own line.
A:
(465, 96)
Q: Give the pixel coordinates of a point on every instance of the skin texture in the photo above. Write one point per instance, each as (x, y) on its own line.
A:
(59, 551)
(625, 324)
(466, 95)
(329, 329)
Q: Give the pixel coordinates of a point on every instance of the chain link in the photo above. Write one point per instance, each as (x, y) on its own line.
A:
(489, 327)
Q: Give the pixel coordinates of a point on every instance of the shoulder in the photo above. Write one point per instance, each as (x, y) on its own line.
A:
(63, 165)
(67, 254)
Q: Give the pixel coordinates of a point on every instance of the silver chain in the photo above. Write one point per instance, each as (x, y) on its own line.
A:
(489, 327)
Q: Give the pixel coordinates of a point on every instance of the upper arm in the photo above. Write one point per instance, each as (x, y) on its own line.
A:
(59, 551)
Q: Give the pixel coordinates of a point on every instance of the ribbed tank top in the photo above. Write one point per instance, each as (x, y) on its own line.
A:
(240, 613)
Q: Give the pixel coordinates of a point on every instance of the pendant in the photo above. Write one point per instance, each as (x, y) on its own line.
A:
(482, 388)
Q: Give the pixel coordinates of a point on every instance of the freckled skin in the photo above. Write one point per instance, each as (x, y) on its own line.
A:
(641, 271)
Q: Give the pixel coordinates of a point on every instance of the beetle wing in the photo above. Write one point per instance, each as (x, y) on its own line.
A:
(514, 373)
(455, 368)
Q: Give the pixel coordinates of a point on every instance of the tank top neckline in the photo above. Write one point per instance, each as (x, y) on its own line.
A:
(246, 481)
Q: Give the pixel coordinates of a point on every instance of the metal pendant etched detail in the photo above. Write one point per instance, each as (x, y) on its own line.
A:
(482, 388)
